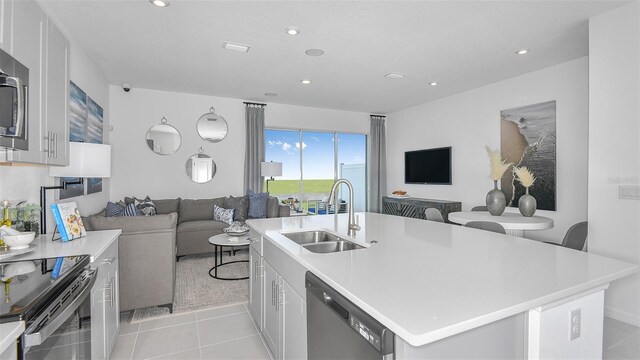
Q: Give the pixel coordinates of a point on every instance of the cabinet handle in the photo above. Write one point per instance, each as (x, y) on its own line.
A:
(108, 261)
(251, 240)
(113, 290)
(47, 142)
(55, 145)
(278, 292)
(51, 144)
(108, 293)
(273, 292)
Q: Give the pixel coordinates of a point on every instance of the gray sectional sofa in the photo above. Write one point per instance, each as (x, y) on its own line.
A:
(150, 245)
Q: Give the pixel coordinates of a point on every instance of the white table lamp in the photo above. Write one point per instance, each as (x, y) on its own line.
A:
(269, 170)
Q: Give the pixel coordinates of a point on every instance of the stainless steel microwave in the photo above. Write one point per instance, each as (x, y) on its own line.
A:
(14, 103)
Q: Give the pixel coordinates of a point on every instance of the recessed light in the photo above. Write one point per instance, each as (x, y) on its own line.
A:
(314, 52)
(522, 51)
(160, 3)
(306, 82)
(433, 83)
(235, 47)
(394, 75)
(270, 94)
(292, 30)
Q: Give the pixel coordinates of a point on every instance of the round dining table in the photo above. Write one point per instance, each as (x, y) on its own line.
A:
(513, 223)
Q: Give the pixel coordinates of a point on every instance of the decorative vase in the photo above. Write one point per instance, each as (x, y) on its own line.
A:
(527, 204)
(496, 201)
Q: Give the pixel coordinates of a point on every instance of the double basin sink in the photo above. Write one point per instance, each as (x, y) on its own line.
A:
(321, 241)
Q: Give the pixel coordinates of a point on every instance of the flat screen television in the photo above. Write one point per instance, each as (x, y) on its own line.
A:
(428, 166)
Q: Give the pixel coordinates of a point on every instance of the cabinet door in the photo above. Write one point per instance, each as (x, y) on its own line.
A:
(294, 310)
(57, 96)
(27, 32)
(272, 315)
(98, 345)
(256, 287)
(112, 308)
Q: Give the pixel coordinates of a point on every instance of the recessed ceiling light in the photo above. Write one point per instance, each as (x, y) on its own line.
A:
(522, 51)
(160, 3)
(433, 83)
(292, 30)
(306, 82)
(314, 52)
(235, 47)
(270, 94)
(394, 75)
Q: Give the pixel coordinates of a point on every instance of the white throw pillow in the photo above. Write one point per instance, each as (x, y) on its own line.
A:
(222, 214)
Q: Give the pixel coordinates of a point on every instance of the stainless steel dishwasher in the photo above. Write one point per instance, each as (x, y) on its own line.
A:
(338, 329)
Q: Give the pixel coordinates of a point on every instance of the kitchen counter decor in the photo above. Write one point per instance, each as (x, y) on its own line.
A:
(527, 203)
(496, 200)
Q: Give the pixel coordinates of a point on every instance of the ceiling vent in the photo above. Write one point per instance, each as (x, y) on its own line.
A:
(235, 47)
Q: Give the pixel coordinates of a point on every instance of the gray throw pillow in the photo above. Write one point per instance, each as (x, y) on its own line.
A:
(224, 215)
(240, 204)
(257, 205)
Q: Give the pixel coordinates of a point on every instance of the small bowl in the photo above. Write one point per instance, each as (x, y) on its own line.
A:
(17, 242)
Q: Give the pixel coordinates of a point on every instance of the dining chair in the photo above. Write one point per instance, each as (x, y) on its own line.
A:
(433, 214)
(576, 236)
(486, 225)
(479, 208)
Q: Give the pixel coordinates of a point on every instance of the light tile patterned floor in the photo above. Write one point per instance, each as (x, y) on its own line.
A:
(228, 333)
(220, 333)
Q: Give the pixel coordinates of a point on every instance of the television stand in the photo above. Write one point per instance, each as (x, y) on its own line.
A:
(415, 207)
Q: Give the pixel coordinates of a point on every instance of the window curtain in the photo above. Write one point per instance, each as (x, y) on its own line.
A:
(254, 146)
(378, 163)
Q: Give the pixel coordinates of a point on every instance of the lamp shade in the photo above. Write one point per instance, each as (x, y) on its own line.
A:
(85, 161)
(268, 169)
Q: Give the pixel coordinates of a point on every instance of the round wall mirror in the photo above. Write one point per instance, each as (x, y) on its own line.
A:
(212, 127)
(163, 139)
(200, 168)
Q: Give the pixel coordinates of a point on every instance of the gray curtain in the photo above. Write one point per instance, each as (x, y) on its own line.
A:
(254, 147)
(378, 163)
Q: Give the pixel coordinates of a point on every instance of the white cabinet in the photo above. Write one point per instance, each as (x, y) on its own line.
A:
(272, 313)
(294, 311)
(256, 289)
(32, 39)
(105, 307)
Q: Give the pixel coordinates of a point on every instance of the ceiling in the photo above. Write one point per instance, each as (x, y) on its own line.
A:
(460, 44)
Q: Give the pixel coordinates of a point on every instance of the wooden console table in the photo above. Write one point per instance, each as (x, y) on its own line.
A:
(414, 207)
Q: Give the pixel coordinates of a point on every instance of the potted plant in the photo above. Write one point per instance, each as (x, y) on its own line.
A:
(527, 203)
(496, 201)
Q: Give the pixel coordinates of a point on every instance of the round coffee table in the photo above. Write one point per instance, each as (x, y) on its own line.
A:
(218, 241)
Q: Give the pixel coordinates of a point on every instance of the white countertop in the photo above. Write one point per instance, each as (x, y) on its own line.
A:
(426, 281)
(509, 221)
(94, 244)
(9, 332)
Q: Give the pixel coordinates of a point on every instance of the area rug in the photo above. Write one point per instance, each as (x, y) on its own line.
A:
(196, 290)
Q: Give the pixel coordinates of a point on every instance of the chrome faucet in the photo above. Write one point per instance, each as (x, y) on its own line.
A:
(353, 227)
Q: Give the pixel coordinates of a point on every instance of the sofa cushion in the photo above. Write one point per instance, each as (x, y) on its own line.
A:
(222, 214)
(167, 206)
(130, 210)
(201, 209)
(132, 224)
(201, 225)
(146, 206)
(240, 204)
(257, 205)
(113, 209)
(273, 207)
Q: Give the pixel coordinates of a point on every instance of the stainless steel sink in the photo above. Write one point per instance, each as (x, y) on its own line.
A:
(332, 246)
(311, 237)
(321, 241)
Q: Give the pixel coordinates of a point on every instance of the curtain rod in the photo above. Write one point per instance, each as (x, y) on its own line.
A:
(252, 103)
(382, 116)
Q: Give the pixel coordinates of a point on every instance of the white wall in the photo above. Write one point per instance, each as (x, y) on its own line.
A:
(614, 149)
(470, 120)
(139, 172)
(23, 182)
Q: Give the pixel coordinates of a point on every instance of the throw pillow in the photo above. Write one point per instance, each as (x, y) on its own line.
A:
(240, 204)
(130, 210)
(222, 214)
(113, 209)
(257, 205)
(146, 206)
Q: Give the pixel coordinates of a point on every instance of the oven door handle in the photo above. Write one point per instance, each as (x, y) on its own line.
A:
(37, 338)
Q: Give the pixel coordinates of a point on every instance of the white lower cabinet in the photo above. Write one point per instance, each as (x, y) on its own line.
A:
(105, 305)
(256, 290)
(272, 331)
(294, 311)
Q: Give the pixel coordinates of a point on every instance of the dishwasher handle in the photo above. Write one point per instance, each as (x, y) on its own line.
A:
(341, 311)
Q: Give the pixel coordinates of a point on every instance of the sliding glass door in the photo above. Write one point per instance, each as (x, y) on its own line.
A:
(311, 162)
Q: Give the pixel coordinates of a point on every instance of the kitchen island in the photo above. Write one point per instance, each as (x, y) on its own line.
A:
(446, 289)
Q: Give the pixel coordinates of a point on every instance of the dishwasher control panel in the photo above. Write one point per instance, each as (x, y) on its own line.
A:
(365, 332)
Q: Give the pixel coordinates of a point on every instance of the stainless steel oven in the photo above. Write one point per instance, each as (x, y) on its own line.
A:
(14, 103)
(50, 295)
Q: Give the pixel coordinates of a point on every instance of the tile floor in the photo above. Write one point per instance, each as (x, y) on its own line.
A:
(220, 333)
(228, 333)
